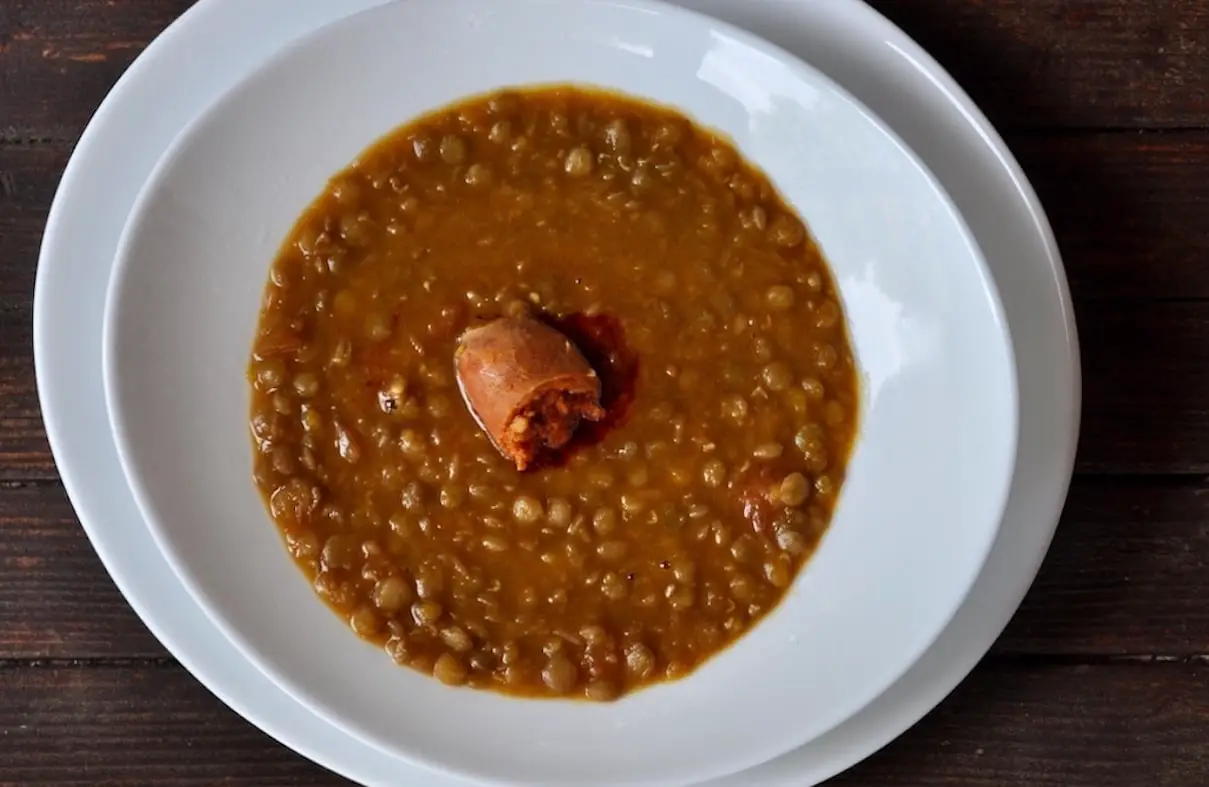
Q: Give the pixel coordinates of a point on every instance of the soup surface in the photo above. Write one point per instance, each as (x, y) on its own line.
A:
(664, 530)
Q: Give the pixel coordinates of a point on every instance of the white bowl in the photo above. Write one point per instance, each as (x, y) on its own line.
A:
(927, 482)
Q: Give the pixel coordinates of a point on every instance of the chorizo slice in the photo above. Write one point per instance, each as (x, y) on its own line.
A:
(527, 385)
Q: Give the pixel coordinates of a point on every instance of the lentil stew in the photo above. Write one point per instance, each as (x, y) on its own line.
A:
(664, 529)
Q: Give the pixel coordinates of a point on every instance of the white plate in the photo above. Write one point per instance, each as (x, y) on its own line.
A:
(938, 405)
(847, 40)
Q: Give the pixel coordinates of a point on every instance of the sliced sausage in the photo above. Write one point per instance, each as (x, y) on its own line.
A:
(527, 385)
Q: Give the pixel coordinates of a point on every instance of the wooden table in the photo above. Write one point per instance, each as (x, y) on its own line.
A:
(1102, 679)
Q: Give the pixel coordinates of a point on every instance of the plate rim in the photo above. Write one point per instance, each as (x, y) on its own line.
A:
(59, 442)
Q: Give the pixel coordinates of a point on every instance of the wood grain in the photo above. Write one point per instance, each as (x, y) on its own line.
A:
(1146, 384)
(1070, 63)
(58, 59)
(29, 176)
(56, 600)
(1056, 726)
(24, 451)
(1129, 210)
(1009, 724)
(132, 725)
(1126, 575)
(1029, 63)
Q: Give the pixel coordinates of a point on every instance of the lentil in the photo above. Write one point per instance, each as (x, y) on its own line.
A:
(450, 670)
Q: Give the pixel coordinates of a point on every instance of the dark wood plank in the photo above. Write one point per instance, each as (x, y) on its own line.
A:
(1054, 726)
(24, 451)
(1126, 575)
(1070, 63)
(1009, 724)
(1146, 387)
(1029, 63)
(136, 725)
(1128, 210)
(29, 176)
(58, 59)
(56, 601)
